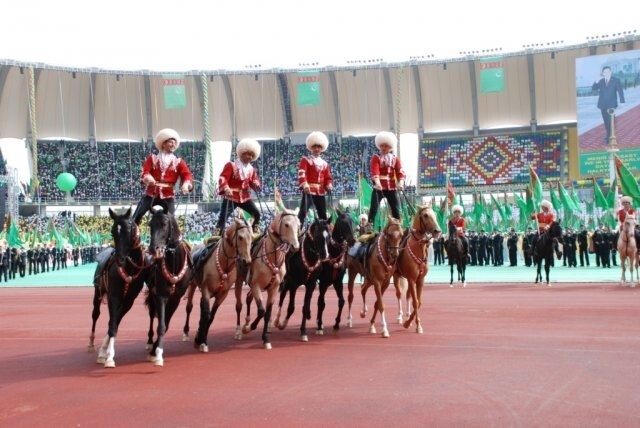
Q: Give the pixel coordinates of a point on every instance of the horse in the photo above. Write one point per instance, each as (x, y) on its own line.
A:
(266, 272)
(169, 277)
(544, 248)
(628, 250)
(376, 265)
(215, 276)
(333, 269)
(413, 264)
(303, 268)
(119, 278)
(456, 255)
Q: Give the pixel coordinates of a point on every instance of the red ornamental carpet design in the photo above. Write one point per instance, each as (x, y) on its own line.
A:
(490, 160)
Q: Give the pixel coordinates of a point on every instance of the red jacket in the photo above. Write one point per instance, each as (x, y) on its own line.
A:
(387, 172)
(622, 215)
(230, 177)
(544, 219)
(166, 176)
(460, 224)
(316, 174)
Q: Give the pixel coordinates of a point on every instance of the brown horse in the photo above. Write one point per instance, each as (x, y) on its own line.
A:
(216, 275)
(628, 250)
(377, 266)
(266, 272)
(413, 264)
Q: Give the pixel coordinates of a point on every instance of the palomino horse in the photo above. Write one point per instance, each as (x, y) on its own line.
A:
(376, 266)
(456, 255)
(628, 250)
(303, 268)
(544, 248)
(216, 275)
(413, 264)
(117, 279)
(266, 272)
(334, 268)
(169, 277)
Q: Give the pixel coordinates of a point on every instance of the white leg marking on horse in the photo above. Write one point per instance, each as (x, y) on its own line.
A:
(267, 345)
(304, 338)
(238, 335)
(185, 337)
(203, 348)
(111, 353)
(372, 329)
(383, 324)
(158, 360)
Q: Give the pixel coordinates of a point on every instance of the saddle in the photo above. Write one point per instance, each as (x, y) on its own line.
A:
(201, 255)
(103, 259)
(361, 251)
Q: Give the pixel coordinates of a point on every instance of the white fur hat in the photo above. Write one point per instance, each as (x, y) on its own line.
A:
(164, 135)
(248, 145)
(626, 199)
(317, 138)
(457, 208)
(386, 137)
(363, 217)
(547, 204)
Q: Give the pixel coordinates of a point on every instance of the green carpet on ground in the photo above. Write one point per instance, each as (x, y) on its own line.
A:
(82, 275)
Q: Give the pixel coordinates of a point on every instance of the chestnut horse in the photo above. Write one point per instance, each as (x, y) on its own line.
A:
(376, 266)
(119, 278)
(169, 277)
(413, 264)
(266, 272)
(216, 275)
(628, 250)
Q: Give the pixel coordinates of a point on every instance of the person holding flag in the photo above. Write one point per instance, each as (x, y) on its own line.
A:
(235, 181)
(387, 175)
(314, 177)
(160, 173)
(544, 219)
(625, 211)
(459, 223)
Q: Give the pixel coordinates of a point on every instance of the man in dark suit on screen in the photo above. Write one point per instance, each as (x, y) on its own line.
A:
(609, 90)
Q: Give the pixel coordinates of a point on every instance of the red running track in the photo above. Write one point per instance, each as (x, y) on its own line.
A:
(491, 355)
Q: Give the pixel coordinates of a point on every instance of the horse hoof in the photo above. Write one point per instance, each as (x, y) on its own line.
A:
(450, 285)
(372, 329)
(151, 358)
(109, 364)
(267, 345)
(363, 314)
(419, 329)
(148, 346)
(399, 319)
(237, 336)
(320, 332)
(304, 338)
(548, 285)
(349, 323)
(464, 284)
(158, 363)
(91, 349)
(246, 329)
(185, 337)
(101, 360)
(385, 333)
(203, 348)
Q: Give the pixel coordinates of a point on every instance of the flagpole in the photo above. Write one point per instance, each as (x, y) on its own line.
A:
(612, 149)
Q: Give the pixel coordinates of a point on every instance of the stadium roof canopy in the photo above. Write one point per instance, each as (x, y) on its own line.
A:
(257, 35)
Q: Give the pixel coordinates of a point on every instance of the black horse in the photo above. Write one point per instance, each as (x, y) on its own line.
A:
(119, 278)
(334, 268)
(543, 250)
(456, 255)
(303, 268)
(168, 278)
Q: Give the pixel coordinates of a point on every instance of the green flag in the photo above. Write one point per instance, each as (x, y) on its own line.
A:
(364, 193)
(555, 201)
(175, 96)
(576, 200)
(628, 183)
(441, 215)
(611, 195)
(567, 202)
(500, 209)
(536, 186)
(601, 201)
(491, 75)
(531, 204)
(13, 235)
(308, 88)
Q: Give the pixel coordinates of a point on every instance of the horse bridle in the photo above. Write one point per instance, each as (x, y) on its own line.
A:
(388, 247)
(221, 248)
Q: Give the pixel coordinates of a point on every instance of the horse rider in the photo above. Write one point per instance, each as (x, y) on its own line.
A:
(363, 227)
(160, 173)
(544, 218)
(623, 212)
(459, 223)
(235, 180)
(387, 175)
(314, 177)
